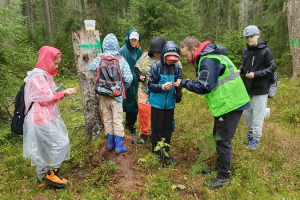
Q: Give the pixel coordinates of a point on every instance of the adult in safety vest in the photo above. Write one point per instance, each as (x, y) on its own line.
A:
(225, 93)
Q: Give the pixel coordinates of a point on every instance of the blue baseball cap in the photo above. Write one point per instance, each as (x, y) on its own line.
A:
(250, 30)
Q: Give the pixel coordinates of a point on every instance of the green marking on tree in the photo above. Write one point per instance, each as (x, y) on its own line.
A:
(91, 46)
(294, 42)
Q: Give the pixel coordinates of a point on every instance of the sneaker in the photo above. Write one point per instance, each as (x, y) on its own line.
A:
(217, 183)
(54, 179)
(141, 140)
(41, 182)
(252, 144)
(171, 161)
(248, 137)
(158, 156)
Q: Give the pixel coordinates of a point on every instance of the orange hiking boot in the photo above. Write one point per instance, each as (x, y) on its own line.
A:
(41, 182)
(54, 179)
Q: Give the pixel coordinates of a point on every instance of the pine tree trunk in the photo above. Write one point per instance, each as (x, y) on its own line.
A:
(47, 20)
(85, 51)
(242, 14)
(293, 16)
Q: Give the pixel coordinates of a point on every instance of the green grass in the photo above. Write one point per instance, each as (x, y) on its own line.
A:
(270, 172)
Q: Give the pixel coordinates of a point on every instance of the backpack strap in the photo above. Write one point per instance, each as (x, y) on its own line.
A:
(118, 57)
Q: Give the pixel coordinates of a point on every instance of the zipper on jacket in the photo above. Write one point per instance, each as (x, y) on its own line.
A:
(252, 60)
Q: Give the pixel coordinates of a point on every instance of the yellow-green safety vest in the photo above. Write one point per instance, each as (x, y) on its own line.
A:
(229, 93)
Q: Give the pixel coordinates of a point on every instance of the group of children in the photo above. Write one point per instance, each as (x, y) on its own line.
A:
(159, 70)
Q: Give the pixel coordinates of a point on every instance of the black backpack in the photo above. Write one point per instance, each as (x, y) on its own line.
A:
(109, 80)
(19, 112)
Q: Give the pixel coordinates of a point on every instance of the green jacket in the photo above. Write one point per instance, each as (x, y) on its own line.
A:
(131, 55)
(230, 92)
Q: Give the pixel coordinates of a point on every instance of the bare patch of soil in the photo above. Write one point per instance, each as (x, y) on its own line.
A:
(128, 179)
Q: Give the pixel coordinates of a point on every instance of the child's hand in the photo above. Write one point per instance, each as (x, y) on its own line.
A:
(70, 91)
(249, 75)
(167, 86)
(142, 78)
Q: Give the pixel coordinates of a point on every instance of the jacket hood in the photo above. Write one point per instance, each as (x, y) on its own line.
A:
(260, 44)
(214, 49)
(169, 46)
(157, 45)
(111, 45)
(46, 59)
(127, 41)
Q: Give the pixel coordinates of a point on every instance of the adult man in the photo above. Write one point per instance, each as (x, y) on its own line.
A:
(219, 80)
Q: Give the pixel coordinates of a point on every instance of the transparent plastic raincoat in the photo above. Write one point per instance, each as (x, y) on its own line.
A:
(45, 139)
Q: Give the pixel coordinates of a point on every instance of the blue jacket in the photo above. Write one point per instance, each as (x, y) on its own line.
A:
(159, 98)
(111, 47)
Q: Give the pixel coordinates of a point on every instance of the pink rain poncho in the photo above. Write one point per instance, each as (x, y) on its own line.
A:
(45, 139)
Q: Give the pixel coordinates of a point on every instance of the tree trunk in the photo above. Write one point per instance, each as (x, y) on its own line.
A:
(52, 16)
(28, 12)
(85, 51)
(293, 16)
(229, 14)
(242, 14)
(47, 20)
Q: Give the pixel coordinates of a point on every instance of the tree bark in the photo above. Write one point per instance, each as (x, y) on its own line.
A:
(85, 50)
(28, 12)
(293, 16)
(229, 13)
(47, 20)
(242, 14)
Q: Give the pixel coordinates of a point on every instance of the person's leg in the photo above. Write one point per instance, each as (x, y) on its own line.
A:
(131, 118)
(248, 114)
(105, 106)
(144, 123)
(259, 108)
(167, 130)
(144, 118)
(117, 109)
(167, 127)
(41, 172)
(56, 148)
(224, 130)
(156, 126)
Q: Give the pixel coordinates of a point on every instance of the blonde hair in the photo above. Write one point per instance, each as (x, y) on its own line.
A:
(190, 42)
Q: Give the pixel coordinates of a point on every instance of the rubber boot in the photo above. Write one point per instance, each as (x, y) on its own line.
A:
(120, 148)
(111, 142)
(54, 179)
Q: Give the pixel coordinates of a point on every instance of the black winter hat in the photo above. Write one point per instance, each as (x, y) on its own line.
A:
(157, 45)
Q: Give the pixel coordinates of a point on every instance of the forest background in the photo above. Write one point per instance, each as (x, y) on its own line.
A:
(26, 25)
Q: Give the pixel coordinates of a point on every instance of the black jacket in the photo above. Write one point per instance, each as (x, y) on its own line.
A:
(257, 59)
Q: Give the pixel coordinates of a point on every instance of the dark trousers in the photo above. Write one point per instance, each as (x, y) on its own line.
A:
(224, 128)
(161, 125)
(131, 117)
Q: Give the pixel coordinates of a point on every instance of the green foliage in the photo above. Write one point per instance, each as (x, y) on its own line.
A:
(149, 163)
(16, 56)
(160, 186)
(232, 41)
(161, 18)
(102, 175)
